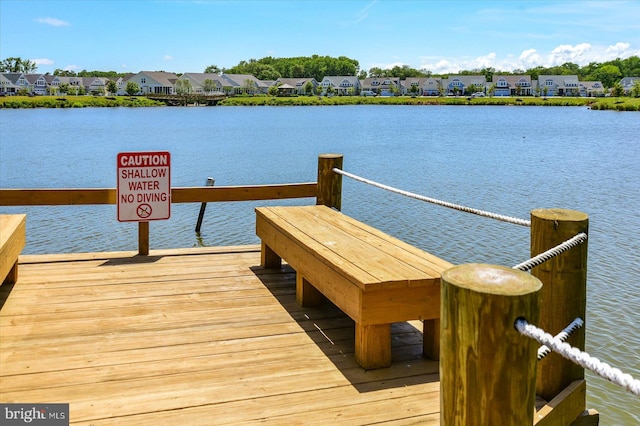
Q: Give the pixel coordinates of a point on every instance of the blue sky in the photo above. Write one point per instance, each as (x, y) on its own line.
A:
(441, 36)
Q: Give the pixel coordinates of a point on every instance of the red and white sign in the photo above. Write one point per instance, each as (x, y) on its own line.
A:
(144, 186)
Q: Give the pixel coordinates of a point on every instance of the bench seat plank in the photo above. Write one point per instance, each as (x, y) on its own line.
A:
(372, 260)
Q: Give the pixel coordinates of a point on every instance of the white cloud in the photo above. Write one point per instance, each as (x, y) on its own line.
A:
(53, 22)
(71, 68)
(43, 61)
(168, 58)
(581, 54)
(578, 54)
(530, 58)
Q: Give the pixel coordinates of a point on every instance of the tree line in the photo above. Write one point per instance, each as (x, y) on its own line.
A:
(316, 66)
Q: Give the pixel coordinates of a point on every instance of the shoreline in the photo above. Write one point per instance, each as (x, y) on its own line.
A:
(619, 104)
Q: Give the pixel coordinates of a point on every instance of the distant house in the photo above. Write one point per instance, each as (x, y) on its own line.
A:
(512, 85)
(155, 82)
(464, 84)
(6, 85)
(198, 80)
(425, 86)
(341, 85)
(17, 81)
(121, 84)
(383, 86)
(558, 85)
(628, 82)
(591, 88)
(37, 84)
(95, 85)
(243, 83)
(75, 85)
(433, 86)
(298, 85)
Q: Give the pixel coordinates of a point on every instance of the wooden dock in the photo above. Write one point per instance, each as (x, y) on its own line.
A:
(196, 336)
(207, 336)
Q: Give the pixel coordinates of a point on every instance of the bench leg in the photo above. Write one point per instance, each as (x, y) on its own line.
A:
(373, 345)
(12, 276)
(268, 258)
(306, 293)
(431, 339)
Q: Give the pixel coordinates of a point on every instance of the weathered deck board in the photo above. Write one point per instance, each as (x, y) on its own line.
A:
(200, 336)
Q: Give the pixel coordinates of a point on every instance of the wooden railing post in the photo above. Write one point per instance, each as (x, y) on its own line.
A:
(143, 238)
(487, 368)
(329, 182)
(564, 294)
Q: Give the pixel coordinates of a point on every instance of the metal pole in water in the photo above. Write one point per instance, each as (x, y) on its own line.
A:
(210, 182)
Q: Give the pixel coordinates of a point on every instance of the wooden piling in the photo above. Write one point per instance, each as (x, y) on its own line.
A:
(210, 182)
(487, 368)
(143, 238)
(329, 182)
(564, 294)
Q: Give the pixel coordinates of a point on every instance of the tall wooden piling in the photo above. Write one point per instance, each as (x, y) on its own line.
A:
(487, 368)
(329, 182)
(564, 294)
(143, 238)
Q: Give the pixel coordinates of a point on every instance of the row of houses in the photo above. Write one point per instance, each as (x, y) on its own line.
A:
(150, 83)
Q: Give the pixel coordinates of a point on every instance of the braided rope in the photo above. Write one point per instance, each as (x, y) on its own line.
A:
(552, 252)
(543, 350)
(579, 357)
(500, 217)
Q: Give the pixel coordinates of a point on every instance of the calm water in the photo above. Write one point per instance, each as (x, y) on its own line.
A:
(508, 160)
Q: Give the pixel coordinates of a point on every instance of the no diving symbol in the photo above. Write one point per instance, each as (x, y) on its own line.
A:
(144, 211)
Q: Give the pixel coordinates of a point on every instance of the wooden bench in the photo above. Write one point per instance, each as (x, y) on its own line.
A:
(372, 277)
(13, 231)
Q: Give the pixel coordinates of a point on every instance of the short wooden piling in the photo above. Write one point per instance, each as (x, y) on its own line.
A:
(564, 294)
(487, 368)
(329, 182)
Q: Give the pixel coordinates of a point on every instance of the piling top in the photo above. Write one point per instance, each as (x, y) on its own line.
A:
(492, 279)
(330, 156)
(562, 215)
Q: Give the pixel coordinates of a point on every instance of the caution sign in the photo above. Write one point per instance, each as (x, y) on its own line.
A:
(144, 186)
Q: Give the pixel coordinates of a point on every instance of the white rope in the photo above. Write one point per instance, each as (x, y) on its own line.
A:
(503, 218)
(579, 357)
(552, 252)
(577, 323)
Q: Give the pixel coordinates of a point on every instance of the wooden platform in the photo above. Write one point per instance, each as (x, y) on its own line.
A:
(198, 336)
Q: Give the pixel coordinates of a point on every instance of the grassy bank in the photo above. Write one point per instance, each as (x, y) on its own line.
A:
(620, 104)
(75, 101)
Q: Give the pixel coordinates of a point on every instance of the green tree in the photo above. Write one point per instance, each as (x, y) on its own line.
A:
(608, 75)
(209, 85)
(308, 88)
(132, 88)
(617, 90)
(17, 64)
(183, 87)
(273, 90)
(64, 73)
(212, 69)
(492, 89)
(248, 86)
(64, 88)
(414, 89)
(112, 87)
(635, 89)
